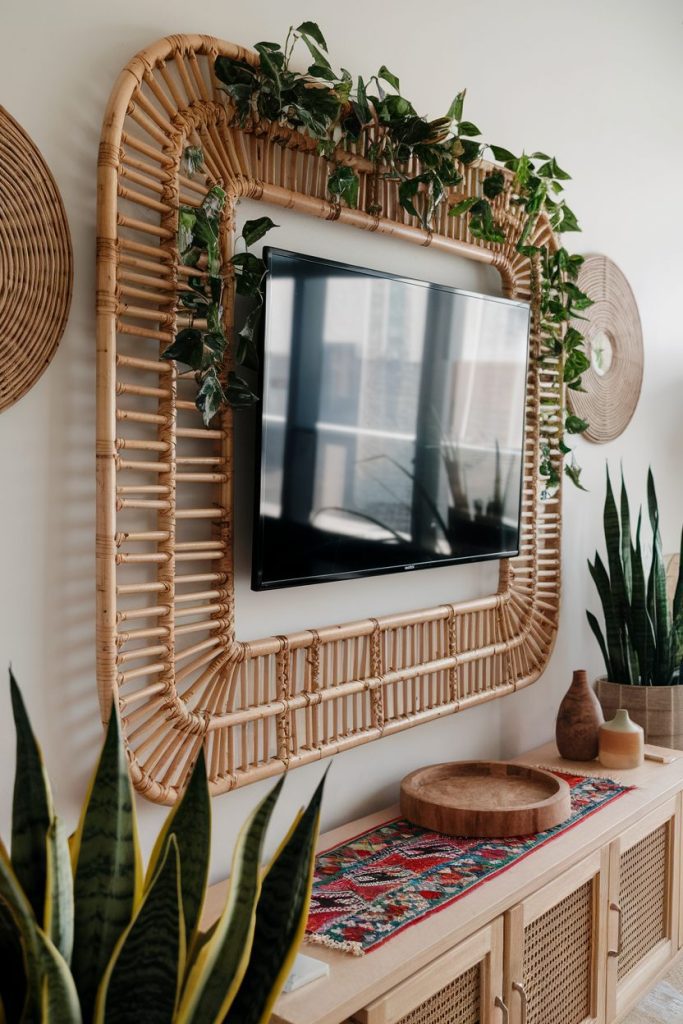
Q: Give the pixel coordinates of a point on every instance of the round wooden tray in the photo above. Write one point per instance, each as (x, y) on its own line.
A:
(484, 799)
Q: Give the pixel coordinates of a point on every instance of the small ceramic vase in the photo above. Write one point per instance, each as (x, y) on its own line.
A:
(578, 721)
(622, 742)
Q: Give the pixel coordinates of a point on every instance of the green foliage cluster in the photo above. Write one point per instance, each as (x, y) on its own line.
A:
(374, 119)
(202, 346)
(643, 639)
(85, 937)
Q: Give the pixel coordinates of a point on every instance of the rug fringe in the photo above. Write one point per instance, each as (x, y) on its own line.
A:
(355, 948)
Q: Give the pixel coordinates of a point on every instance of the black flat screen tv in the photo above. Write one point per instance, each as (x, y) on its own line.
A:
(391, 427)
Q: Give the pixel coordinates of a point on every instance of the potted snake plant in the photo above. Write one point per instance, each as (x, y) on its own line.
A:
(87, 938)
(642, 642)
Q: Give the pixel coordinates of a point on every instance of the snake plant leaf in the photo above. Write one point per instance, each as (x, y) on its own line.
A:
(678, 612)
(190, 822)
(18, 909)
(107, 870)
(641, 627)
(13, 989)
(657, 589)
(59, 896)
(220, 964)
(31, 808)
(612, 628)
(597, 632)
(59, 998)
(281, 917)
(149, 960)
(626, 545)
(613, 540)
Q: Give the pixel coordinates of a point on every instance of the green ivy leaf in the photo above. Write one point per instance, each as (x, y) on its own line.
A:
(249, 272)
(238, 393)
(385, 74)
(310, 30)
(254, 230)
(210, 396)
(468, 129)
(574, 424)
(574, 473)
(361, 105)
(187, 218)
(457, 209)
(470, 151)
(576, 363)
(246, 354)
(456, 107)
(504, 155)
(494, 184)
(193, 159)
(344, 183)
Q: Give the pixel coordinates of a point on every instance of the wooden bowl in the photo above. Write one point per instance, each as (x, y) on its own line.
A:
(485, 799)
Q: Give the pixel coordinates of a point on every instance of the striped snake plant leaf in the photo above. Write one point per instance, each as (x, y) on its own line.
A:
(148, 963)
(626, 542)
(678, 613)
(107, 867)
(613, 630)
(59, 998)
(13, 989)
(59, 896)
(613, 538)
(597, 633)
(220, 964)
(659, 598)
(190, 822)
(281, 916)
(31, 807)
(18, 910)
(642, 633)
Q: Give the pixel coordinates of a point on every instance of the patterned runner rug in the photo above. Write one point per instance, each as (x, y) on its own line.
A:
(371, 888)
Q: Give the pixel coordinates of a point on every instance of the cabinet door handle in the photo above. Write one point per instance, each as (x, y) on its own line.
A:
(503, 1009)
(521, 991)
(620, 934)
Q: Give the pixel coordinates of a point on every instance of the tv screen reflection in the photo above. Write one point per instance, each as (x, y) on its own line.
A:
(392, 424)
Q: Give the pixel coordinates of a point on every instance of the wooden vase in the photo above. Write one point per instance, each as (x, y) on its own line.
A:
(579, 719)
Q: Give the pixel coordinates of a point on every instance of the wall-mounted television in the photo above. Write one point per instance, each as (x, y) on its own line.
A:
(391, 424)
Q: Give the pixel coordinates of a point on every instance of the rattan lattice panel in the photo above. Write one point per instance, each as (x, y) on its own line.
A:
(167, 649)
(558, 960)
(644, 877)
(456, 1003)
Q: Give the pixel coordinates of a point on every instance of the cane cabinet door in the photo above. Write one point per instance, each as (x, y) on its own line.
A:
(464, 986)
(555, 949)
(643, 905)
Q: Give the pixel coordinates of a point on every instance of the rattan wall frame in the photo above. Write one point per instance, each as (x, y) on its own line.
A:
(166, 644)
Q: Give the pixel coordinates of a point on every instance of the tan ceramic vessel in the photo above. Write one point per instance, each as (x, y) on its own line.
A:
(622, 742)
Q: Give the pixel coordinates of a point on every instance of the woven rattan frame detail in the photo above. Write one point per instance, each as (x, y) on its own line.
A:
(167, 649)
(36, 265)
(458, 1002)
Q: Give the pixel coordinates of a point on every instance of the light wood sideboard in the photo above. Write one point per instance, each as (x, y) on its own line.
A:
(572, 934)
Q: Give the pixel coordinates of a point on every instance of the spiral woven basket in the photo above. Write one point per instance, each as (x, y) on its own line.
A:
(36, 267)
(611, 391)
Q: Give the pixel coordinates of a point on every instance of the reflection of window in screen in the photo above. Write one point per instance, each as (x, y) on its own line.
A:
(277, 386)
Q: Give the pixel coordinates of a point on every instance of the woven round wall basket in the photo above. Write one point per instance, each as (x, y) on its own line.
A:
(614, 343)
(36, 267)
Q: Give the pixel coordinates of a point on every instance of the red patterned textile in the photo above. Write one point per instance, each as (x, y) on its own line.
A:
(371, 888)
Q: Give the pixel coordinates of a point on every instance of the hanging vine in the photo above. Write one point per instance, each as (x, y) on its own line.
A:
(374, 120)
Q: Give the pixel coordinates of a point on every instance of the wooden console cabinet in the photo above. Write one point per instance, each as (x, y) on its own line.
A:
(573, 934)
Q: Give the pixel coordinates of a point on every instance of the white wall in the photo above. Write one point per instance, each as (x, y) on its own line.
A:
(599, 84)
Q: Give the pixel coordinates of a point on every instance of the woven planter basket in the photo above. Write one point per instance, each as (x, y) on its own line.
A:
(659, 709)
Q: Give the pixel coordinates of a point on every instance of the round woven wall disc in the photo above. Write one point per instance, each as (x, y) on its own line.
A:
(614, 345)
(36, 268)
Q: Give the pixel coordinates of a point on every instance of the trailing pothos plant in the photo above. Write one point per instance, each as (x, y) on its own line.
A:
(426, 158)
(203, 345)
